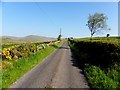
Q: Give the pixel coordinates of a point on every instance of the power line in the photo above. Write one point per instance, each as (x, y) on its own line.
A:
(50, 19)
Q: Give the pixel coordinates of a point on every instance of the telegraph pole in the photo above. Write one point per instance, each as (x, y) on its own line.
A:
(59, 37)
(60, 30)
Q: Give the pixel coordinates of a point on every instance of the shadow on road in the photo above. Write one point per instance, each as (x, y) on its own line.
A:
(63, 48)
(75, 62)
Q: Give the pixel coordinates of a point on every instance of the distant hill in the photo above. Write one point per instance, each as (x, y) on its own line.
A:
(36, 38)
(10, 41)
(30, 38)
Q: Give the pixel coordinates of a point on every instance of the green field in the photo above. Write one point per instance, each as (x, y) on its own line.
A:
(114, 40)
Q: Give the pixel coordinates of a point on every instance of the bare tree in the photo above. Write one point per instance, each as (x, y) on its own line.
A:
(97, 22)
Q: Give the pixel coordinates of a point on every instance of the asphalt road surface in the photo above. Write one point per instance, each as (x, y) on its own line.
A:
(56, 71)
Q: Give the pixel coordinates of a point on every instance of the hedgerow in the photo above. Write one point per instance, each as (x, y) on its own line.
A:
(23, 50)
(97, 53)
(100, 61)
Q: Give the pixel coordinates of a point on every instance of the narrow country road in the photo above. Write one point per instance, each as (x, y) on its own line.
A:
(56, 71)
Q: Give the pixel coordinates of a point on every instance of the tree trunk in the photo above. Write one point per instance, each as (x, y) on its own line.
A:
(91, 36)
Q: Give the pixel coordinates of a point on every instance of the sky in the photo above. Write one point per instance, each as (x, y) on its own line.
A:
(46, 18)
(60, 0)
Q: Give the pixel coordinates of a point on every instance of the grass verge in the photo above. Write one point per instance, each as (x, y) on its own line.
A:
(17, 68)
(98, 78)
(0, 75)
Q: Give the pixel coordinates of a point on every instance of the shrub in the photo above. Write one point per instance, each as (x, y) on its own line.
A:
(23, 50)
(100, 61)
(97, 53)
(98, 79)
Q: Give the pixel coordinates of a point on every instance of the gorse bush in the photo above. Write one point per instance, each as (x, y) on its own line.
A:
(23, 50)
(15, 68)
(17, 52)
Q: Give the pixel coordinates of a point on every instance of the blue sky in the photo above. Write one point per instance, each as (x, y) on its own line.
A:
(45, 19)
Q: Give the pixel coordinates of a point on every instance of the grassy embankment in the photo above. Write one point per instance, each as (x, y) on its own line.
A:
(0, 66)
(99, 59)
(16, 68)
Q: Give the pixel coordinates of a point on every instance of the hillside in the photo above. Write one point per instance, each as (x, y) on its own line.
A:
(34, 38)
(30, 38)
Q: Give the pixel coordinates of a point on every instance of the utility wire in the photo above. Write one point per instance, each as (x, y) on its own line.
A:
(47, 16)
